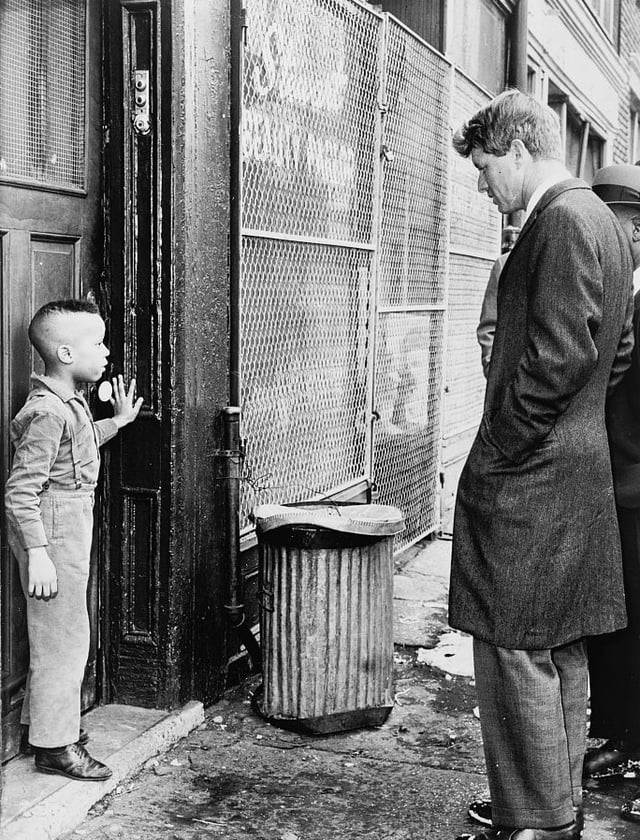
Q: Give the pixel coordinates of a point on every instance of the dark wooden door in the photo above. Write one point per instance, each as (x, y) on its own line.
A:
(50, 239)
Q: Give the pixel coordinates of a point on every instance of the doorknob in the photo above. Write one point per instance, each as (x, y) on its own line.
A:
(141, 96)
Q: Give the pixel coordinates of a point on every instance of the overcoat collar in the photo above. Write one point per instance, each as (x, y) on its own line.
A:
(552, 193)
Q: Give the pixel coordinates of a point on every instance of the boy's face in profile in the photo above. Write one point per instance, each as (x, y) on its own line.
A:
(87, 353)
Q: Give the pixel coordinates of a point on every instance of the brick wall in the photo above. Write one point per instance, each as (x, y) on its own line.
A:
(629, 43)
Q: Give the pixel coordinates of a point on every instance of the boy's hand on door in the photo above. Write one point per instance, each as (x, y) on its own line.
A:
(43, 579)
(125, 407)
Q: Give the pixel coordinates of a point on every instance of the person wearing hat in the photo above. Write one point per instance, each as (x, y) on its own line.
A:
(614, 659)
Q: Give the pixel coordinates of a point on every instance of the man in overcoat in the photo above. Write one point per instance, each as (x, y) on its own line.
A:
(614, 659)
(536, 562)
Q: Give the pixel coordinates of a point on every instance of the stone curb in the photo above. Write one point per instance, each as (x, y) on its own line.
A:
(66, 809)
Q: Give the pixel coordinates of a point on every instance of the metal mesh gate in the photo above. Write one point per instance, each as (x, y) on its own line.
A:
(474, 245)
(42, 91)
(344, 259)
(311, 79)
(411, 279)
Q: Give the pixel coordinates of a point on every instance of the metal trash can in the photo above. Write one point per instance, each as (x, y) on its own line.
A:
(326, 618)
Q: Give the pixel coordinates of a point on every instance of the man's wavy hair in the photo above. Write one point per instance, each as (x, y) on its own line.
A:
(512, 115)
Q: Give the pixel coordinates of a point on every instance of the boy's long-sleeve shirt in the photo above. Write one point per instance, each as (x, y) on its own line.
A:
(56, 445)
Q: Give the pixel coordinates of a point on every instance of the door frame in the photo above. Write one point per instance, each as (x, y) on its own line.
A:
(79, 233)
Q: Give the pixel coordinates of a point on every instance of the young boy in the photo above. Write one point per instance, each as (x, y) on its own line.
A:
(49, 507)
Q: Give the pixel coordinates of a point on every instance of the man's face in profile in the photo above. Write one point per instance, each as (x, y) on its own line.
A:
(498, 177)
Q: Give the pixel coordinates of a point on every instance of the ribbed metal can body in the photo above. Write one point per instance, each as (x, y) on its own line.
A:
(326, 629)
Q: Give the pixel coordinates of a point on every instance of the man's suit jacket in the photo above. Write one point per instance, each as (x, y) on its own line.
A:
(536, 551)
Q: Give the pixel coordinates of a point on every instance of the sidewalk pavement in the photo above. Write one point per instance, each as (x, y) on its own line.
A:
(234, 776)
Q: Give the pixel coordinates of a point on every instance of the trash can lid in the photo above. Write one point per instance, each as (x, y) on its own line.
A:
(381, 520)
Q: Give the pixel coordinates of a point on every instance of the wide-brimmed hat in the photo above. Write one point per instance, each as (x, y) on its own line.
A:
(618, 184)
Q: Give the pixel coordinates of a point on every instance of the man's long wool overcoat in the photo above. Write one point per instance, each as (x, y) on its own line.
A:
(536, 552)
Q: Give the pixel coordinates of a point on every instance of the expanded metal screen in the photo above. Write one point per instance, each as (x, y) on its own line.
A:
(344, 260)
(413, 238)
(309, 116)
(42, 91)
(474, 244)
(465, 382)
(412, 280)
(305, 368)
(311, 78)
(475, 222)
(407, 435)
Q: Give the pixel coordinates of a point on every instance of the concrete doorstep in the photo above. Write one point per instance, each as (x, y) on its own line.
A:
(38, 806)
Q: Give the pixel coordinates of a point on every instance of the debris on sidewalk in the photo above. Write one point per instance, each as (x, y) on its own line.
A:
(453, 654)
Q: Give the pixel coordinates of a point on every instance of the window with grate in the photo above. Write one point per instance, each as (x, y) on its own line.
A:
(634, 136)
(583, 147)
(427, 20)
(605, 11)
(42, 92)
(477, 41)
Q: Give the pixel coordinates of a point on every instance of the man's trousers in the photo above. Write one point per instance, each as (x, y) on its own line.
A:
(614, 658)
(58, 628)
(533, 710)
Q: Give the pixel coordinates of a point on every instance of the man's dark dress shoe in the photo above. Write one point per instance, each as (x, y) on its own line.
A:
(480, 811)
(610, 758)
(569, 832)
(630, 810)
(74, 762)
(27, 749)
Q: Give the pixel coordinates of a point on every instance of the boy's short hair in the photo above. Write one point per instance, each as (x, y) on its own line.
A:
(54, 307)
(510, 116)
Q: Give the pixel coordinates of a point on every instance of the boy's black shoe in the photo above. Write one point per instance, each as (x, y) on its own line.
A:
(27, 749)
(74, 762)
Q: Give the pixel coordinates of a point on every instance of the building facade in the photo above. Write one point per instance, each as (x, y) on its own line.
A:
(263, 200)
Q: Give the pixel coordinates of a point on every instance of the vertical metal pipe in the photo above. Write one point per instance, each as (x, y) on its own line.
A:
(584, 148)
(232, 454)
(519, 38)
(517, 74)
(238, 24)
(232, 441)
(232, 459)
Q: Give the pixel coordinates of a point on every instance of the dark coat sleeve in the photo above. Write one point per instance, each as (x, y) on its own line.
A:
(628, 340)
(565, 287)
(623, 426)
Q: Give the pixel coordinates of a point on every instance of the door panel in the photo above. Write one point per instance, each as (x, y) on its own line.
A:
(137, 601)
(51, 238)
